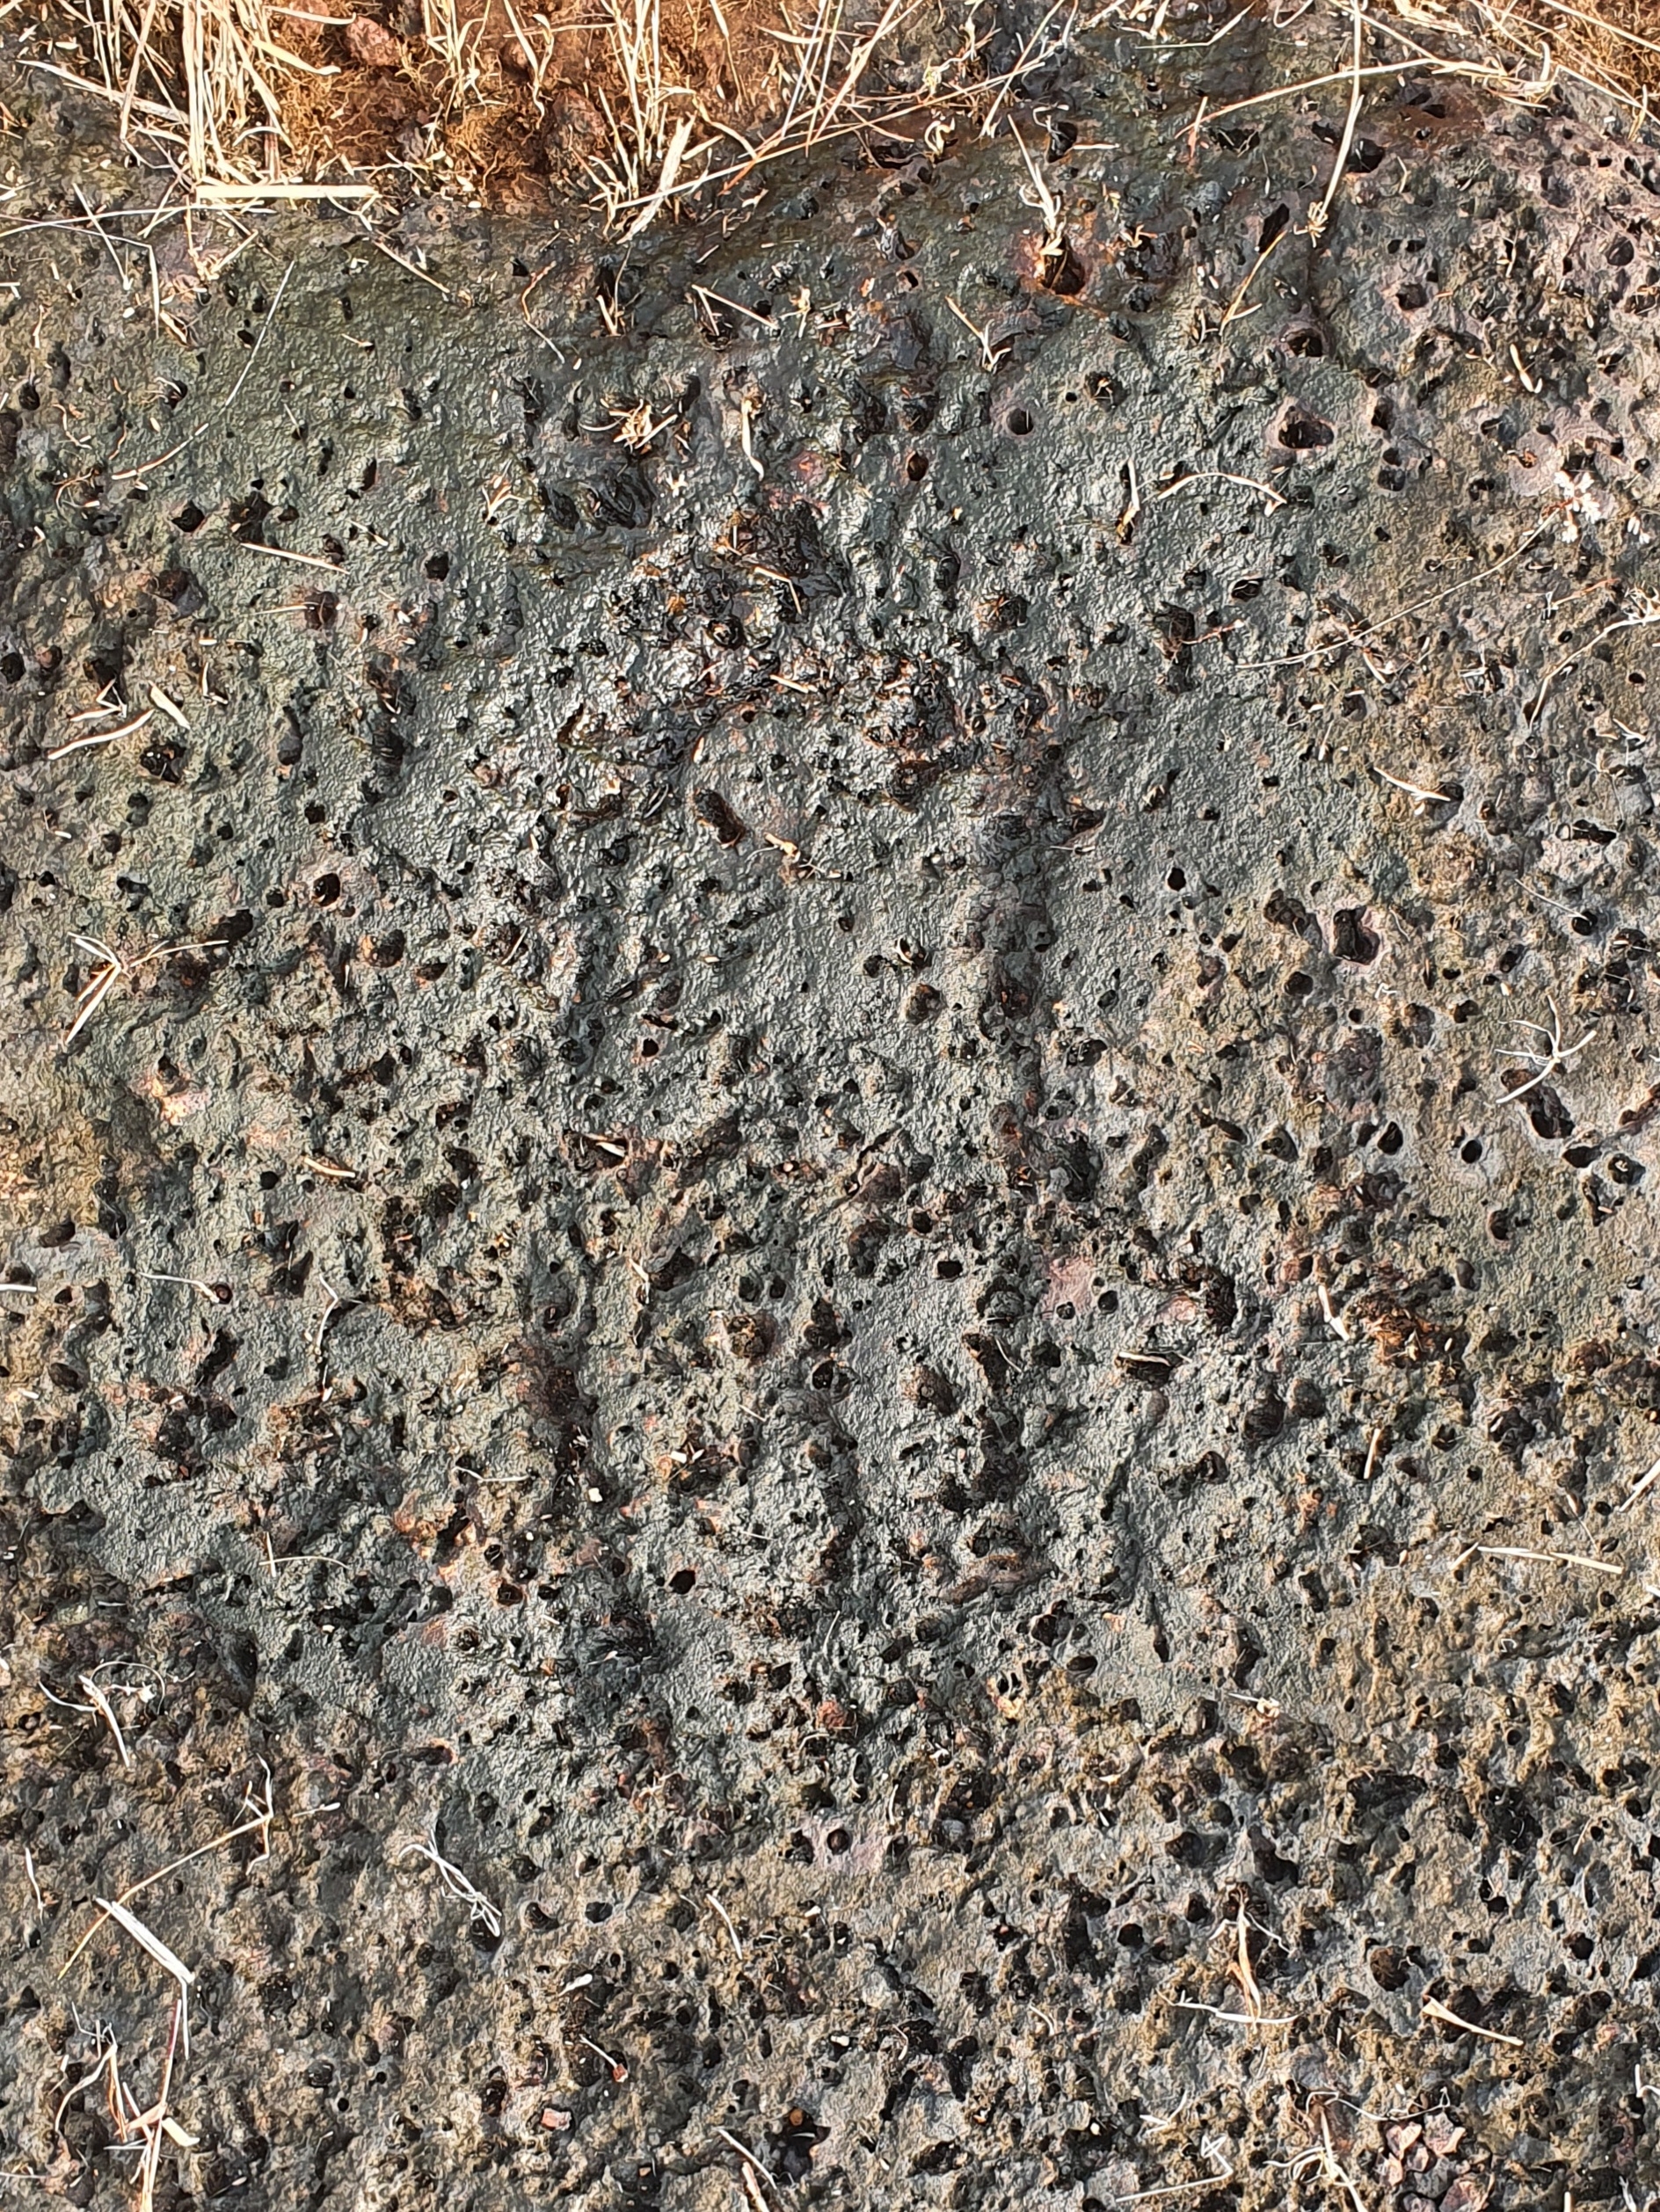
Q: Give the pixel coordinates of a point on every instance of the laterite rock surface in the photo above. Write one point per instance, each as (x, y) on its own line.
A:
(872, 1134)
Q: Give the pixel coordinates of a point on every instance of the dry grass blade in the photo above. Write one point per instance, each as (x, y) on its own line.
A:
(260, 1817)
(1538, 1559)
(1647, 616)
(302, 560)
(457, 1883)
(1215, 2148)
(650, 118)
(106, 1712)
(989, 354)
(726, 1919)
(147, 468)
(1421, 792)
(1515, 52)
(136, 2128)
(1433, 2009)
(1324, 2158)
(152, 2124)
(97, 989)
(455, 44)
(1320, 214)
(1556, 1055)
(148, 1941)
(102, 981)
(1240, 1970)
(752, 2165)
(1270, 498)
(824, 112)
(1404, 613)
(1336, 2172)
(1602, 25)
(154, 2121)
(1642, 1483)
(102, 737)
(1243, 1971)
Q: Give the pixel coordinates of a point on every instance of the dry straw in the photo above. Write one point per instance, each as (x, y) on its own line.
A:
(222, 89)
(677, 97)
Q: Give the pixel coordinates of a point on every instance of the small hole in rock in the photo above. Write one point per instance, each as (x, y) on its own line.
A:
(1303, 434)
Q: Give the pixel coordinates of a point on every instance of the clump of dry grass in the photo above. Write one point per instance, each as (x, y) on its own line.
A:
(650, 102)
(1608, 44)
(1515, 49)
(646, 101)
(204, 78)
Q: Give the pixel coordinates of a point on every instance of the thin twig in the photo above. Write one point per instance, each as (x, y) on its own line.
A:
(727, 1918)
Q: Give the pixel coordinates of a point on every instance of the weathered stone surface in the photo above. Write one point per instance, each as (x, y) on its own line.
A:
(846, 1076)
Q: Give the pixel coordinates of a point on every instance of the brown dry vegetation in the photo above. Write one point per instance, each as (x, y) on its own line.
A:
(635, 97)
(639, 101)
(642, 103)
